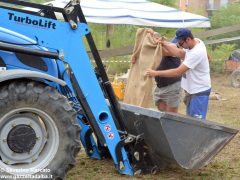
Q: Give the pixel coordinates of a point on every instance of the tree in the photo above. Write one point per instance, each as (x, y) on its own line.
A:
(171, 3)
(226, 16)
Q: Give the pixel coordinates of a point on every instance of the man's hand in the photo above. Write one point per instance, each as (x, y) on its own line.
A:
(149, 30)
(155, 35)
(134, 59)
(151, 73)
(157, 38)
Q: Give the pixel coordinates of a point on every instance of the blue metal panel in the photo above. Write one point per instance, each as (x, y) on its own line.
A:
(10, 59)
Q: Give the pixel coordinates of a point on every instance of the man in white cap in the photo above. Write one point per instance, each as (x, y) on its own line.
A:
(195, 71)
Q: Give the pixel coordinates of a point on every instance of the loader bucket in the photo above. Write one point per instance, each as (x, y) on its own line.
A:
(188, 142)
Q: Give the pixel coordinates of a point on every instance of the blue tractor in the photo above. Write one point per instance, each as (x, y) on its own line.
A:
(51, 99)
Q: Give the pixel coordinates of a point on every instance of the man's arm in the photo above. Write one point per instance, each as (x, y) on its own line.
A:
(168, 73)
(173, 50)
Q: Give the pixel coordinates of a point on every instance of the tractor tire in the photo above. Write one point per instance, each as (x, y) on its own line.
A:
(235, 78)
(39, 134)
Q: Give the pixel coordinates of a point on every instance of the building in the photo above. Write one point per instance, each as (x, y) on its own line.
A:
(205, 6)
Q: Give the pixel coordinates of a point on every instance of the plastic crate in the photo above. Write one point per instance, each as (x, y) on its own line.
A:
(118, 88)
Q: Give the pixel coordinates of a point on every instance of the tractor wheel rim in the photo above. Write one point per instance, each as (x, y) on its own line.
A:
(45, 146)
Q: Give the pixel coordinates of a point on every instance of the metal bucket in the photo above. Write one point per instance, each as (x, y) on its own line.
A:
(188, 142)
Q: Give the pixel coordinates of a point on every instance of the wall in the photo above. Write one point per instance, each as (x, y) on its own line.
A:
(203, 7)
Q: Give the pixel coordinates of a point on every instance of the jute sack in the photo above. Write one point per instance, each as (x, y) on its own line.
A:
(148, 54)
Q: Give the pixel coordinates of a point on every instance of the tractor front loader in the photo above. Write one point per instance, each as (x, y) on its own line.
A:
(51, 98)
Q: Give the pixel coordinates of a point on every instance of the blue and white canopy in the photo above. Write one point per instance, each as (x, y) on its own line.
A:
(136, 12)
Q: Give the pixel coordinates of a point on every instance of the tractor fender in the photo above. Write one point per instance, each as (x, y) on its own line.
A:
(18, 74)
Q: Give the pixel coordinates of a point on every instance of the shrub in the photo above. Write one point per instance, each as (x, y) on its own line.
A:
(218, 55)
(117, 65)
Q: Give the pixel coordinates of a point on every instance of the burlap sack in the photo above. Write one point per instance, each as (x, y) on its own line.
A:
(139, 88)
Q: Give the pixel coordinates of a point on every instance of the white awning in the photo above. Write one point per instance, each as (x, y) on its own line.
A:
(137, 12)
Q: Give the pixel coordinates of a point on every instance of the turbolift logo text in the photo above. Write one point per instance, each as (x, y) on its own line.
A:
(26, 20)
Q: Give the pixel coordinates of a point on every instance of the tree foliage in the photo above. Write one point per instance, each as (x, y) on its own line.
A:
(39, 1)
(226, 16)
(171, 3)
(219, 55)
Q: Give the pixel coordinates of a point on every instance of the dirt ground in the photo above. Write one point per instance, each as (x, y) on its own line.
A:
(226, 165)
